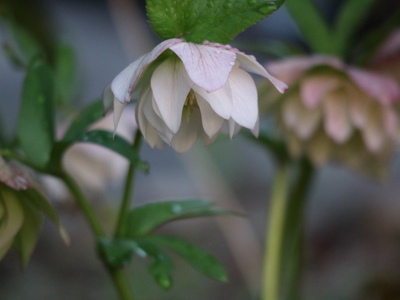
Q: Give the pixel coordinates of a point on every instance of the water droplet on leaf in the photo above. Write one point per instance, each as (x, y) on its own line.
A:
(176, 209)
(267, 9)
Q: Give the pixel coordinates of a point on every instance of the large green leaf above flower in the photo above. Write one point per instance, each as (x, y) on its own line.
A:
(214, 20)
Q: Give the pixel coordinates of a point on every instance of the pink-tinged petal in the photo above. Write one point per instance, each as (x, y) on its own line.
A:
(390, 47)
(313, 89)
(373, 133)
(220, 100)
(308, 122)
(290, 69)
(248, 63)
(378, 86)
(290, 109)
(188, 133)
(118, 109)
(391, 122)
(359, 105)
(13, 177)
(211, 121)
(170, 86)
(244, 98)
(125, 82)
(207, 66)
(337, 123)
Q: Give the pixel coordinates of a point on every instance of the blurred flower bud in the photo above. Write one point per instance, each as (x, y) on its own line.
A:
(21, 207)
(336, 112)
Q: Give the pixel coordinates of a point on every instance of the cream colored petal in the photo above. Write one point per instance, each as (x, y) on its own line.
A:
(220, 100)
(313, 89)
(373, 130)
(244, 98)
(170, 86)
(249, 63)
(188, 133)
(336, 119)
(211, 121)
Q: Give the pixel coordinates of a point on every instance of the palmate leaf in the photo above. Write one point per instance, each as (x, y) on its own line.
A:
(117, 252)
(161, 265)
(197, 257)
(145, 219)
(214, 20)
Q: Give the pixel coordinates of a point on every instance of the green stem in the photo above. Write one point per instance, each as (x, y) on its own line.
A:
(294, 231)
(83, 205)
(274, 238)
(116, 274)
(127, 197)
(121, 283)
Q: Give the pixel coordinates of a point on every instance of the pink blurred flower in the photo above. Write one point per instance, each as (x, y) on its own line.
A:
(334, 111)
(387, 58)
(188, 91)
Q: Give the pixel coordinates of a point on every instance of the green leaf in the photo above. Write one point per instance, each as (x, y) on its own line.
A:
(65, 73)
(35, 127)
(26, 239)
(115, 143)
(161, 265)
(39, 201)
(145, 219)
(197, 257)
(12, 217)
(213, 20)
(24, 46)
(312, 25)
(103, 138)
(350, 18)
(87, 117)
(117, 252)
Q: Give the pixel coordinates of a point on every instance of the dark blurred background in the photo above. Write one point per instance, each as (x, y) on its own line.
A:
(353, 224)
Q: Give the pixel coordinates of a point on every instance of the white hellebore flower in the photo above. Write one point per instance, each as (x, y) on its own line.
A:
(188, 90)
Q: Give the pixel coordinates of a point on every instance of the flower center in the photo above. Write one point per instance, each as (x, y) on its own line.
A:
(190, 105)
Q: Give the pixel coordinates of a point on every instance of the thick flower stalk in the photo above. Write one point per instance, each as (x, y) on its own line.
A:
(188, 91)
(338, 112)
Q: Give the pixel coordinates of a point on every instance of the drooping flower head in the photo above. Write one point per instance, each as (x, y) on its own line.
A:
(334, 111)
(188, 91)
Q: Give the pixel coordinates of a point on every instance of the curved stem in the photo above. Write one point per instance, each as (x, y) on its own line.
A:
(274, 238)
(83, 204)
(129, 183)
(121, 283)
(116, 274)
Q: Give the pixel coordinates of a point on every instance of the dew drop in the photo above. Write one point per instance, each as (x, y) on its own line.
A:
(176, 209)
(232, 63)
(267, 9)
(141, 252)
